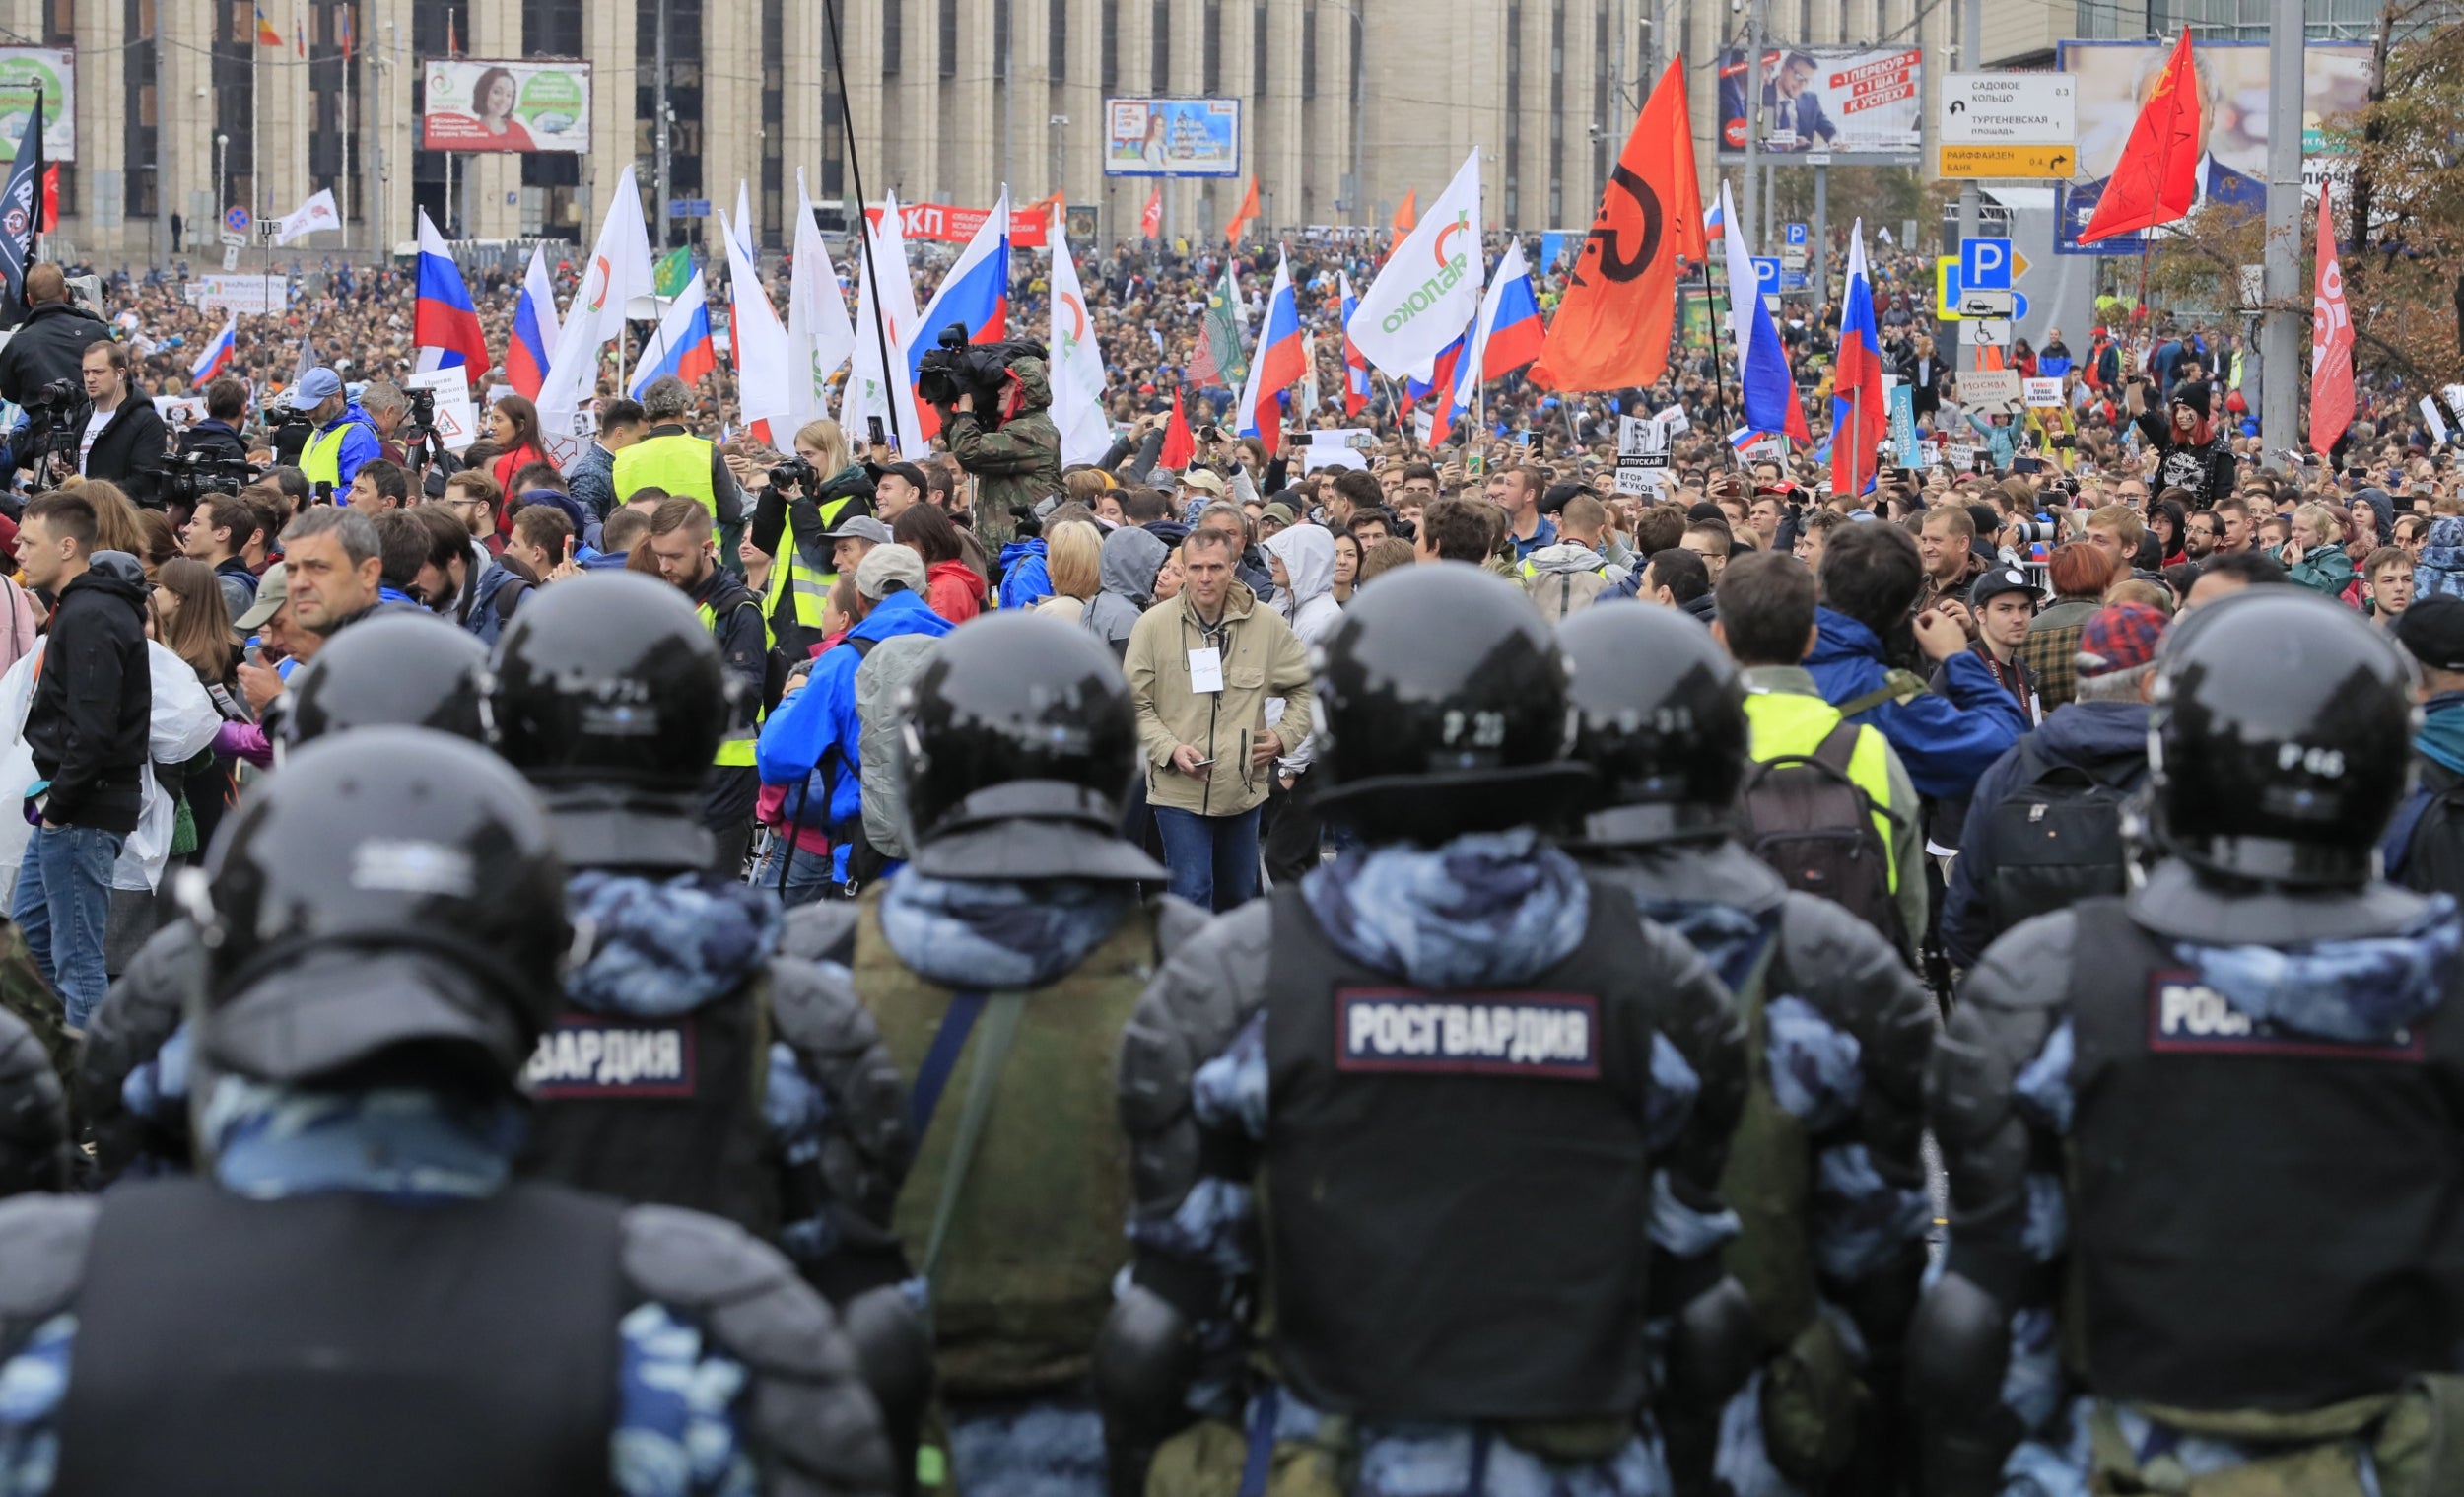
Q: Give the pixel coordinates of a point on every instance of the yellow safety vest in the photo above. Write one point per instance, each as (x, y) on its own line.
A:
(678, 462)
(321, 458)
(806, 583)
(736, 750)
(1788, 724)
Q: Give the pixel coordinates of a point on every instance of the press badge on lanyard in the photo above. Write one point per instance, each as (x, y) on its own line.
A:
(1206, 670)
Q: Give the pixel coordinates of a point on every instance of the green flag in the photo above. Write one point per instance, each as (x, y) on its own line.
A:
(1223, 331)
(669, 276)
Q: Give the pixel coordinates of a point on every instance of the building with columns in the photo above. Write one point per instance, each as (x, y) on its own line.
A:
(1347, 105)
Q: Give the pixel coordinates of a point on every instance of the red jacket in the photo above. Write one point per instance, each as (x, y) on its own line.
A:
(954, 589)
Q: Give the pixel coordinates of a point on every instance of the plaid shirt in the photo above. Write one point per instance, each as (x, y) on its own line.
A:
(2052, 654)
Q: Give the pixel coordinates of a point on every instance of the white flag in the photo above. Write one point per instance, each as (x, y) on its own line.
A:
(745, 232)
(1077, 361)
(1430, 287)
(819, 336)
(756, 347)
(619, 270)
(317, 213)
(870, 391)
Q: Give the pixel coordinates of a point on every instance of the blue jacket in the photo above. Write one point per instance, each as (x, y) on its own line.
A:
(1945, 742)
(2103, 738)
(821, 718)
(591, 476)
(1023, 577)
(359, 445)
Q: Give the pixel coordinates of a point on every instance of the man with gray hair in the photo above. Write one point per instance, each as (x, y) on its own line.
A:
(386, 405)
(672, 459)
(2044, 828)
(334, 563)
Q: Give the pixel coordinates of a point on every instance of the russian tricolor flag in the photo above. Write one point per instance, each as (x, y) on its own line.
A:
(444, 324)
(1715, 218)
(1860, 410)
(1762, 380)
(974, 294)
(682, 345)
(1276, 364)
(1355, 365)
(1446, 372)
(216, 356)
(527, 352)
(1510, 318)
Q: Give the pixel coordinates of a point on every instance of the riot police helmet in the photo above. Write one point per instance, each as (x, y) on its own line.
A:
(390, 670)
(1017, 751)
(2280, 739)
(392, 887)
(609, 695)
(1660, 716)
(1443, 709)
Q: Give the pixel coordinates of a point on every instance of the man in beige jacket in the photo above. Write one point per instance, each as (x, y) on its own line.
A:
(1201, 668)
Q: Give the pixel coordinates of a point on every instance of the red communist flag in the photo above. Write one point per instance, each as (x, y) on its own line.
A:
(1180, 443)
(2331, 338)
(1407, 216)
(1242, 213)
(2157, 178)
(1152, 220)
(1612, 328)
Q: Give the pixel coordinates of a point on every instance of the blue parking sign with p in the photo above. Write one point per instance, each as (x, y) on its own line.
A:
(1985, 264)
(1796, 235)
(1767, 275)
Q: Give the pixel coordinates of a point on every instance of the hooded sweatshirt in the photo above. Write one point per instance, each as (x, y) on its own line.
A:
(87, 724)
(1308, 606)
(955, 591)
(1946, 742)
(1126, 577)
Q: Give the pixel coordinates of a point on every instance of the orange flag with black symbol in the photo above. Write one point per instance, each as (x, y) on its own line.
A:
(1612, 328)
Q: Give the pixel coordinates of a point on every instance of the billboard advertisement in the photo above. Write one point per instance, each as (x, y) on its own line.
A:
(2112, 78)
(1867, 100)
(54, 70)
(1172, 137)
(478, 105)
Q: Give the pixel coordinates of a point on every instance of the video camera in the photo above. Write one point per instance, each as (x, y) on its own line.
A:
(56, 416)
(958, 367)
(191, 476)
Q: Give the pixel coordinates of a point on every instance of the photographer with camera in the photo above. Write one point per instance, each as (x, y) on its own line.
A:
(799, 507)
(123, 441)
(996, 402)
(217, 437)
(50, 343)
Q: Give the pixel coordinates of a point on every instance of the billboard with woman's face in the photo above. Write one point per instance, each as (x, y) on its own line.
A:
(477, 104)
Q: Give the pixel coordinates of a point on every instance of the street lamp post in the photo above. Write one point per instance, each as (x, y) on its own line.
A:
(222, 159)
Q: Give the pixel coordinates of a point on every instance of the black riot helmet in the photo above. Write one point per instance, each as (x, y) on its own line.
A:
(394, 670)
(609, 695)
(2280, 739)
(1019, 747)
(1442, 709)
(391, 887)
(1660, 716)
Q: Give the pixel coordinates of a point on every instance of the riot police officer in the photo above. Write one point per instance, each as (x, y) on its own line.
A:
(131, 1077)
(1485, 1104)
(692, 1064)
(2204, 1140)
(357, 1295)
(1003, 963)
(1837, 1033)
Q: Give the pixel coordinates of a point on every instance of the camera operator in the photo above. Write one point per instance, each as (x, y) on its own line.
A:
(796, 504)
(343, 436)
(218, 436)
(124, 440)
(49, 344)
(1014, 452)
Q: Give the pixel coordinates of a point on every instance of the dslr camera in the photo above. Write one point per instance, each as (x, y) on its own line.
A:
(796, 476)
(958, 367)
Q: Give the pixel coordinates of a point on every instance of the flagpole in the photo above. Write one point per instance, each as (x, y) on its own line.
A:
(350, 133)
(1711, 316)
(863, 226)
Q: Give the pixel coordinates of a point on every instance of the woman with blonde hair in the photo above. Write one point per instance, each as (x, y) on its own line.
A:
(2314, 551)
(116, 527)
(1073, 556)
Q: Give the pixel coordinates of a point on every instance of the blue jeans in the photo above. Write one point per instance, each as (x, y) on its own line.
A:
(808, 873)
(63, 904)
(1213, 858)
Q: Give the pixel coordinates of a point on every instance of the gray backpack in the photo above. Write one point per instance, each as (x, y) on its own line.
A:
(886, 671)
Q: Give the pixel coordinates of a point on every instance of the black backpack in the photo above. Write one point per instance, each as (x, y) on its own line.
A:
(2055, 840)
(1802, 814)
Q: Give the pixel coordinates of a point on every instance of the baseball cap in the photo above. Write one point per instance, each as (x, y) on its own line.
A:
(2432, 631)
(315, 389)
(1201, 478)
(1994, 582)
(1278, 512)
(885, 565)
(2120, 636)
(272, 591)
(858, 527)
(907, 471)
